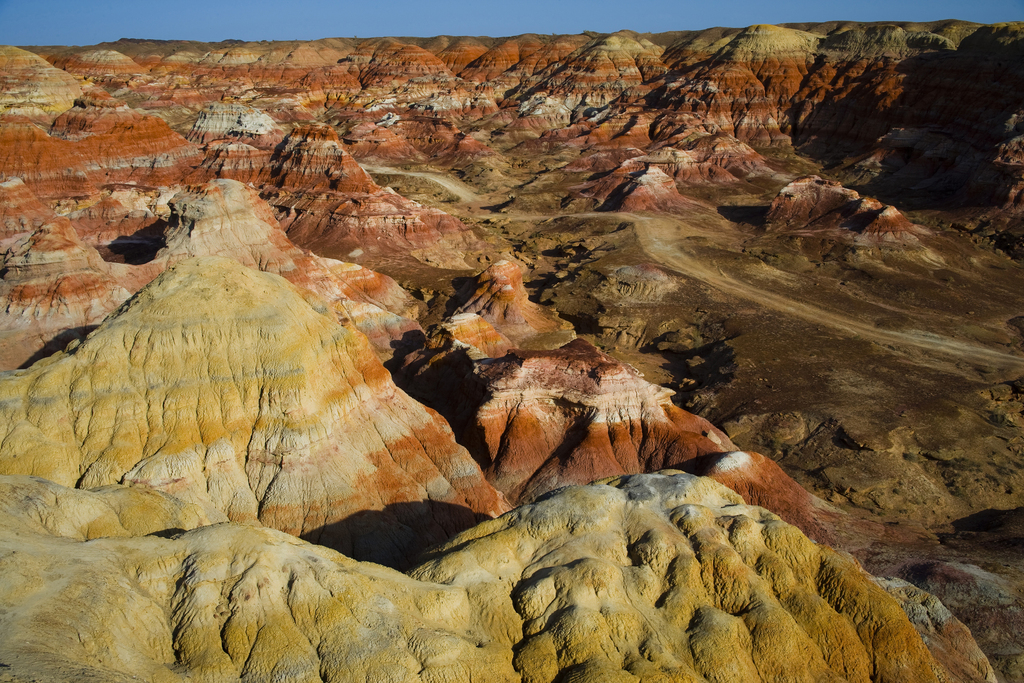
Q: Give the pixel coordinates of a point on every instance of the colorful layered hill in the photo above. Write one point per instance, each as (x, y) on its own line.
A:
(234, 390)
(216, 409)
(637, 578)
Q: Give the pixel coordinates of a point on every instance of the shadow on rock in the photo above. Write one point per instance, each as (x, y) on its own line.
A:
(396, 535)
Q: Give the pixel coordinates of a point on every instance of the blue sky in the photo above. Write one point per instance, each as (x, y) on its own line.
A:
(81, 22)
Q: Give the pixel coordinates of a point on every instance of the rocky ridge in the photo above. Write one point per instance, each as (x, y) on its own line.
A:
(642, 576)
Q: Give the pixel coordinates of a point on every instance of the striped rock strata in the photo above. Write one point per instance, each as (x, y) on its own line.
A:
(232, 389)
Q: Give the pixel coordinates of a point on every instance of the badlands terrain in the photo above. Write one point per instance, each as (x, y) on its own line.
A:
(694, 356)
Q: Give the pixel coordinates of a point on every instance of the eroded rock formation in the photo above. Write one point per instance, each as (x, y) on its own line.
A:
(639, 577)
(31, 87)
(497, 295)
(221, 392)
(280, 416)
(54, 288)
(811, 205)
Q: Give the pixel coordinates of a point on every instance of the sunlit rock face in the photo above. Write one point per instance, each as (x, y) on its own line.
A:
(31, 87)
(96, 142)
(329, 204)
(551, 418)
(270, 412)
(236, 122)
(497, 295)
(540, 420)
(684, 200)
(637, 578)
(655, 575)
(226, 218)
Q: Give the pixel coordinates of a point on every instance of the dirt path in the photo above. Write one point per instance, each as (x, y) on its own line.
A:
(461, 190)
(660, 237)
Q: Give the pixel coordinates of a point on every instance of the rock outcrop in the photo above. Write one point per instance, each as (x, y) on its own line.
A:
(330, 205)
(222, 392)
(656, 575)
(231, 389)
(604, 69)
(636, 186)
(238, 123)
(546, 419)
(98, 64)
(639, 578)
(53, 288)
(96, 142)
(715, 158)
(226, 218)
(497, 295)
(29, 86)
(810, 205)
(540, 420)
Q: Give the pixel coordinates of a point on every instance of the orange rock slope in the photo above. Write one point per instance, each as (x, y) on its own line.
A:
(497, 295)
(540, 420)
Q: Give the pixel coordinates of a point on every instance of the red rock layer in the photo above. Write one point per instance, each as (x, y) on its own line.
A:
(837, 95)
(536, 58)
(603, 69)
(98, 63)
(117, 230)
(602, 161)
(439, 140)
(348, 225)
(311, 159)
(94, 143)
(573, 415)
(21, 212)
(54, 287)
(540, 420)
(396, 76)
(717, 158)
(811, 205)
(497, 295)
(328, 203)
(458, 55)
(369, 141)
(473, 330)
(636, 186)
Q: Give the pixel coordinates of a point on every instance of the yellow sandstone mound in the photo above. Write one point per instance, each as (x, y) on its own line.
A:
(48, 508)
(646, 578)
(672, 578)
(234, 390)
(29, 85)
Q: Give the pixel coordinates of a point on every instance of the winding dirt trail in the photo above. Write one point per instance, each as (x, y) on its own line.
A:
(464, 192)
(660, 235)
